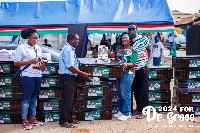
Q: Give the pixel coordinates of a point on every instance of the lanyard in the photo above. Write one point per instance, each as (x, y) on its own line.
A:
(36, 53)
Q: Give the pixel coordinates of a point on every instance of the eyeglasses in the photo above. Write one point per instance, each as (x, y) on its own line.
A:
(131, 28)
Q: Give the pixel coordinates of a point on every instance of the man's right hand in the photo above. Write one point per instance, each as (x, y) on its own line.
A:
(33, 61)
(85, 75)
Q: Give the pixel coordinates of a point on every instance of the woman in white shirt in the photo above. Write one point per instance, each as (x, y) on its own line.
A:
(30, 78)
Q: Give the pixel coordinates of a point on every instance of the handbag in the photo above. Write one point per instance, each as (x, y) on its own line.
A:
(17, 74)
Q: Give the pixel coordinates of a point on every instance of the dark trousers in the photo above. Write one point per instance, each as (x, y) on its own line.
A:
(68, 87)
(170, 47)
(140, 88)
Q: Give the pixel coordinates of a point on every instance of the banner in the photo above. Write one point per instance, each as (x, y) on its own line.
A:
(54, 105)
(49, 69)
(154, 85)
(48, 82)
(4, 68)
(94, 103)
(93, 115)
(95, 91)
(52, 117)
(47, 94)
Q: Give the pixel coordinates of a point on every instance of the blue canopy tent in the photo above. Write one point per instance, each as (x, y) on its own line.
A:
(85, 16)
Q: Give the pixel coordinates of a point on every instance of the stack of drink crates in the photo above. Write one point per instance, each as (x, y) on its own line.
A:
(187, 84)
(159, 87)
(94, 96)
(11, 96)
(50, 95)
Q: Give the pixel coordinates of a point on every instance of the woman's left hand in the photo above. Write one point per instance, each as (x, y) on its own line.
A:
(124, 65)
(42, 65)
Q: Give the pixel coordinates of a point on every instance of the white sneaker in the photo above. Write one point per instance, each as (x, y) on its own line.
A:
(35, 122)
(123, 117)
(118, 114)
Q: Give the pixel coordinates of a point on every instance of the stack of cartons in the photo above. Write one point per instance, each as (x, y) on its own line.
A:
(94, 99)
(187, 84)
(11, 96)
(159, 87)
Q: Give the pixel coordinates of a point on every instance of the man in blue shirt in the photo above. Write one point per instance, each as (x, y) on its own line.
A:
(68, 70)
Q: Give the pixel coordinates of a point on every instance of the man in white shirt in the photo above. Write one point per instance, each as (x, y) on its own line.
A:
(50, 118)
(46, 118)
(91, 117)
(95, 72)
(194, 99)
(152, 38)
(92, 104)
(151, 87)
(2, 82)
(151, 98)
(1, 70)
(42, 83)
(45, 71)
(190, 75)
(114, 99)
(45, 106)
(192, 86)
(1, 106)
(103, 53)
(114, 88)
(191, 64)
(157, 52)
(114, 110)
(99, 72)
(172, 37)
(2, 94)
(93, 94)
(90, 92)
(88, 105)
(189, 86)
(41, 94)
(194, 64)
(1, 120)
(45, 95)
(46, 83)
(193, 75)
(197, 112)
(49, 107)
(198, 100)
(87, 117)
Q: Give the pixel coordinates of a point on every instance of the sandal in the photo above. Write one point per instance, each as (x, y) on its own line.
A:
(76, 122)
(70, 126)
(67, 125)
(135, 113)
(141, 116)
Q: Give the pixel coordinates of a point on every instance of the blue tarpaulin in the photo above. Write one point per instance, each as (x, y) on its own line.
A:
(84, 11)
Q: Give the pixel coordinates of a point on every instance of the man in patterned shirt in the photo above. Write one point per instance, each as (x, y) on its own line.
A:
(141, 81)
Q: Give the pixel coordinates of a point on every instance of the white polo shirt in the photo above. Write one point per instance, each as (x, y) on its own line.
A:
(25, 52)
(171, 37)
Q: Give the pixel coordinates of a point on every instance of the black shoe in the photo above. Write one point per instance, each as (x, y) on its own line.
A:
(141, 116)
(135, 113)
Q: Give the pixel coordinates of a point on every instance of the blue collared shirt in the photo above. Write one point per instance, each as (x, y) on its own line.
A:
(67, 59)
